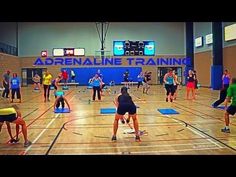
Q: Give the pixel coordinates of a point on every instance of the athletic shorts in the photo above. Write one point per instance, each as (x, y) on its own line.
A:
(9, 118)
(191, 85)
(124, 108)
(231, 110)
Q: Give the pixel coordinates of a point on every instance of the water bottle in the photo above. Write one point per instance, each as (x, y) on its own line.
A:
(89, 101)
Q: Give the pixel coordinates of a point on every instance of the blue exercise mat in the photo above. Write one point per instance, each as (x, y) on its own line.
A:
(60, 110)
(167, 111)
(108, 111)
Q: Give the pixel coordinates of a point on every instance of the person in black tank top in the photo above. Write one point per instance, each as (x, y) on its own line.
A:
(124, 103)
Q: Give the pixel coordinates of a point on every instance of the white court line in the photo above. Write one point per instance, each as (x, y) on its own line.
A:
(203, 136)
(124, 147)
(42, 132)
(142, 152)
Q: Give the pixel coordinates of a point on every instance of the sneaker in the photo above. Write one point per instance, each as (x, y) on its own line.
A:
(14, 141)
(27, 144)
(213, 105)
(113, 138)
(225, 130)
(137, 138)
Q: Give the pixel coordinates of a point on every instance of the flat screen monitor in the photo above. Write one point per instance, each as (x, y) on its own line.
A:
(58, 52)
(230, 32)
(149, 48)
(118, 48)
(79, 52)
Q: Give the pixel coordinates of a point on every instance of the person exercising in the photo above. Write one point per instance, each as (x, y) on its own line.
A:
(13, 115)
(124, 103)
(60, 100)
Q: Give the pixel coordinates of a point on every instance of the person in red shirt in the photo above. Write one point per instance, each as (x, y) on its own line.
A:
(64, 77)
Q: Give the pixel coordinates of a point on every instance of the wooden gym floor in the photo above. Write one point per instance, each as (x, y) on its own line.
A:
(196, 130)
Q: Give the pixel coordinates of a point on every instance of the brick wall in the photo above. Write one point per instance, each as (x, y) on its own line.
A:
(9, 62)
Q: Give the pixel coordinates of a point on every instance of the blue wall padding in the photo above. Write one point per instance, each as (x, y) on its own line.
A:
(216, 77)
(109, 74)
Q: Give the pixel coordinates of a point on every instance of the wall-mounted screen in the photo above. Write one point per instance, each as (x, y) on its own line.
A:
(79, 52)
(198, 42)
(230, 32)
(149, 47)
(121, 48)
(209, 39)
(118, 48)
(58, 52)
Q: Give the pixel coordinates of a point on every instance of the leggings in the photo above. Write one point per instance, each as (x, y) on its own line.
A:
(17, 91)
(98, 89)
(223, 94)
(140, 83)
(46, 89)
(170, 89)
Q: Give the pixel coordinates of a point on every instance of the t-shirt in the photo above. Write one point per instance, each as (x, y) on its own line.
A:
(15, 83)
(65, 75)
(126, 74)
(140, 78)
(6, 77)
(231, 92)
(7, 111)
(47, 79)
(72, 73)
(226, 79)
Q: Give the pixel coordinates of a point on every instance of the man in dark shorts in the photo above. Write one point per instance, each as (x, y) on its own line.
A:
(125, 104)
(231, 110)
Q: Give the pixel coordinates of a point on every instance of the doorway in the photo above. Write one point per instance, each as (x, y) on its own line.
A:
(161, 71)
(28, 73)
